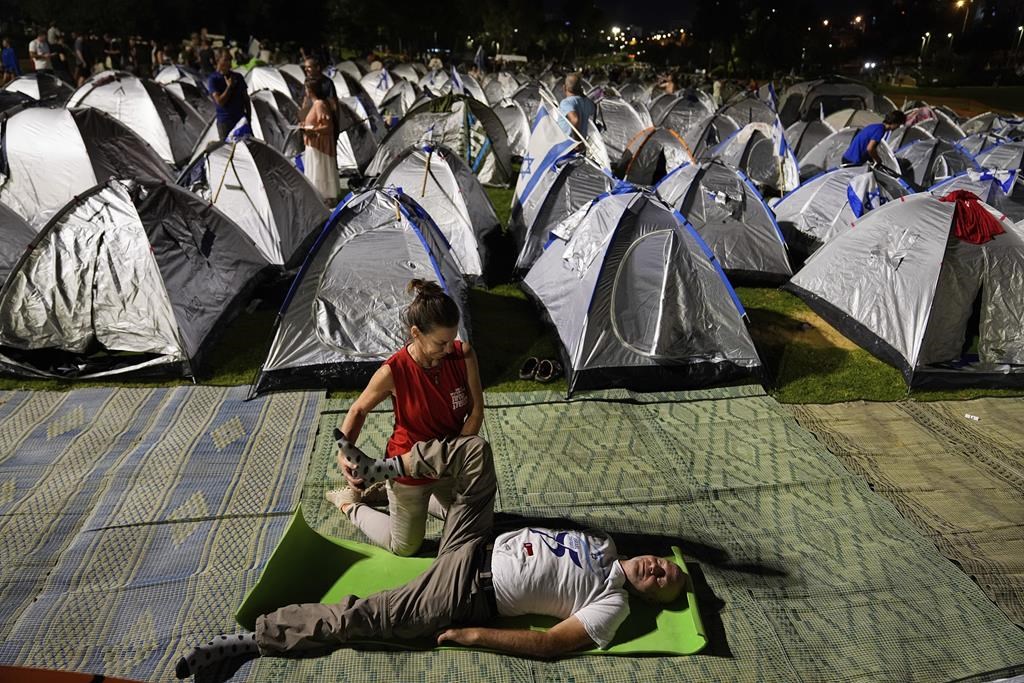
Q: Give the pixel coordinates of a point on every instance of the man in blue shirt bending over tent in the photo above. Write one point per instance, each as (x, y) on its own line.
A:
(864, 146)
(576, 109)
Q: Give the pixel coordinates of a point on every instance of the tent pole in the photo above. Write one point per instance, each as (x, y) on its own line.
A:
(220, 185)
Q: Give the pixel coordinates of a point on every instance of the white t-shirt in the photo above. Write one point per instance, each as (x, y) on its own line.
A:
(40, 47)
(560, 574)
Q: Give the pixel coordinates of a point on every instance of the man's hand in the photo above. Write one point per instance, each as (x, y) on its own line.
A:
(458, 636)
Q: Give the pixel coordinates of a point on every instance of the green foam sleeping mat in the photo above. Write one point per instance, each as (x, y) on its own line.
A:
(309, 567)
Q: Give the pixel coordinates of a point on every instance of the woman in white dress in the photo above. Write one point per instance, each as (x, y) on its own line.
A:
(320, 159)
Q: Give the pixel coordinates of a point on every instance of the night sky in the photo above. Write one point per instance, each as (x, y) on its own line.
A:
(660, 14)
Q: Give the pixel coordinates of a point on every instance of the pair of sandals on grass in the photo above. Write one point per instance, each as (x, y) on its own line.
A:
(542, 370)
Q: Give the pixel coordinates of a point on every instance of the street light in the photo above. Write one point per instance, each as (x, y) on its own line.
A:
(616, 30)
(950, 36)
(1020, 32)
(966, 4)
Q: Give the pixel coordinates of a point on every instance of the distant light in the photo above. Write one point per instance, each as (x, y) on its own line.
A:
(928, 34)
(830, 46)
(950, 35)
(856, 20)
(959, 4)
(1020, 28)
(616, 30)
(825, 23)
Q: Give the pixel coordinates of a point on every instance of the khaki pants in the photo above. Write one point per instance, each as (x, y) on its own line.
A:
(402, 528)
(448, 593)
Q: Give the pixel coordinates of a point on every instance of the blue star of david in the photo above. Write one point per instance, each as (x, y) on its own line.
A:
(527, 167)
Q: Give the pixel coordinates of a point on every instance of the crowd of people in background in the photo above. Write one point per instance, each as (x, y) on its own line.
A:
(76, 56)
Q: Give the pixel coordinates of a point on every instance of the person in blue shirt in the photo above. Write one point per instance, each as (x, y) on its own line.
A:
(576, 109)
(864, 146)
(229, 94)
(9, 67)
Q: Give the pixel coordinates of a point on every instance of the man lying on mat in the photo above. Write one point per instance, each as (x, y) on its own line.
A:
(571, 575)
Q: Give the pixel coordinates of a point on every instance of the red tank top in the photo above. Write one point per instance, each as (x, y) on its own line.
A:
(428, 403)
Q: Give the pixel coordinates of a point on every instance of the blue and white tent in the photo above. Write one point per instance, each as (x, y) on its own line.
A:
(342, 317)
(828, 204)
(925, 162)
(554, 181)
(638, 300)
(732, 218)
(999, 189)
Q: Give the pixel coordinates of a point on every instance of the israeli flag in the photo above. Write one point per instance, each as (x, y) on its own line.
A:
(547, 143)
(789, 172)
(863, 194)
(457, 85)
(773, 98)
(241, 131)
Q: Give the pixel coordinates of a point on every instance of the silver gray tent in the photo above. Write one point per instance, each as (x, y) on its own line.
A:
(650, 155)
(1000, 190)
(195, 96)
(125, 278)
(904, 135)
(273, 78)
(1005, 156)
(812, 99)
(531, 96)
(680, 112)
(342, 317)
(517, 126)
(619, 123)
(43, 86)
(555, 191)
(263, 193)
(731, 216)
(756, 150)
(170, 125)
(977, 142)
(828, 154)
(940, 125)
(15, 236)
(500, 86)
(904, 287)
(441, 183)
(72, 150)
(827, 205)
(802, 136)
(745, 108)
(852, 118)
(398, 100)
(708, 133)
(638, 301)
(926, 162)
(1003, 125)
(458, 122)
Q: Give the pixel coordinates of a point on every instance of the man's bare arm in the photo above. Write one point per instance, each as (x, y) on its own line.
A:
(872, 150)
(565, 637)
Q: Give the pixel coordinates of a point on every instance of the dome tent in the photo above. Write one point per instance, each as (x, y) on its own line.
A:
(124, 278)
(167, 123)
(761, 152)
(15, 236)
(730, 215)
(637, 299)
(925, 162)
(74, 150)
(651, 154)
(342, 317)
(267, 197)
(828, 204)
(460, 123)
(999, 189)
(441, 183)
(904, 286)
(802, 136)
(828, 154)
(43, 86)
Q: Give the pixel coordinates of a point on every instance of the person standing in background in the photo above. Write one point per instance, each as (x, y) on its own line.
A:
(39, 52)
(229, 93)
(320, 160)
(9, 67)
